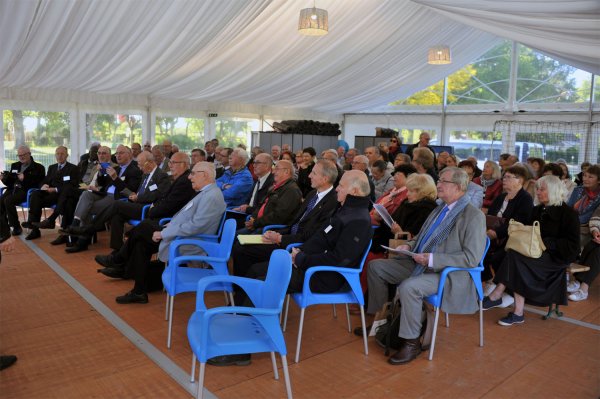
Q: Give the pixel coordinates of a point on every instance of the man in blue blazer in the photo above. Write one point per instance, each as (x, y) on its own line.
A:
(202, 215)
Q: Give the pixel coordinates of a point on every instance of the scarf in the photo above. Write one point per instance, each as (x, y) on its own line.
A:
(442, 231)
(587, 197)
(487, 182)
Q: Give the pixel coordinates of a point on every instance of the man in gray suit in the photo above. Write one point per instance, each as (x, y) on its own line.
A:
(201, 215)
(452, 235)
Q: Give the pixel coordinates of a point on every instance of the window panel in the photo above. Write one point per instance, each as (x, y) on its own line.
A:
(113, 130)
(186, 133)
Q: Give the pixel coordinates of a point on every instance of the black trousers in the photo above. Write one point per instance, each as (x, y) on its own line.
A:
(259, 271)
(590, 256)
(122, 212)
(8, 205)
(39, 200)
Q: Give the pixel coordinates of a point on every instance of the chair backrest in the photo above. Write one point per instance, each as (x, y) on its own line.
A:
(364, 258)
(221, 225)
(227, 237)
(277, 281)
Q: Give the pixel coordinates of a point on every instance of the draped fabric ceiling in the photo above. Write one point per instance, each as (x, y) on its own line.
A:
(246, 56)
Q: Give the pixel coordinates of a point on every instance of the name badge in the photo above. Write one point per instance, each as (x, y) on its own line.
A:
(328, 229)
(66, 178)
(123, 178)
(152, 187)
(111, 190)
(14, 171)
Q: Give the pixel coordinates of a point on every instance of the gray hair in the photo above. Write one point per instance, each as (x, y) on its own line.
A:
(361, 183)
(375, 149)
(556, 189)
(328, 170)
(497, 173)
(330, 151)
(209, 168)
(405, 157)
(458, 176)
(240, 152)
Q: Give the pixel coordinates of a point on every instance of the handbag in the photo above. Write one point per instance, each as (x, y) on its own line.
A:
(493, 222)
(526, 240)
(397, 240)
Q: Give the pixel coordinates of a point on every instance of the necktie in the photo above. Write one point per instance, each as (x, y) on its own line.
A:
(434, 226)
(143, 186)
(253, 199)
(309, 207)
(60, 166)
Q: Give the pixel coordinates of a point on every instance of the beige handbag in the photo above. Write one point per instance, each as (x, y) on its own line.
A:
(526, 240)
(399, 239)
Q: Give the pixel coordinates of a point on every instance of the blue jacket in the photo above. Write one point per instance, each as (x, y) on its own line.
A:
(585, 214)
(240, 189)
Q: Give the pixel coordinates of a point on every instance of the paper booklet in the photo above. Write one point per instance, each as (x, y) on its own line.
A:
(246, 239)
(385, 215)
(399, 251)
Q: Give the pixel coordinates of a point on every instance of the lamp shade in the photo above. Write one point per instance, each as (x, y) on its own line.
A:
(439, 55)
(313, 22)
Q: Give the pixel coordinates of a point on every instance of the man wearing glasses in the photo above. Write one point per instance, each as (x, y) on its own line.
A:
(22, 175)
(424, 139)
(452, 235)
(236, 181)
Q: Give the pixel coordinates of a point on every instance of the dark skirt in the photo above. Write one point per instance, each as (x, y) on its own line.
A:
(541, 281)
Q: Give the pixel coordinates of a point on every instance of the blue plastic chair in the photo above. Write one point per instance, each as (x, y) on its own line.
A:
(184, 279)
(436, 299)
(351, 293)
(205, 237)
(235, 330)
(135, 222)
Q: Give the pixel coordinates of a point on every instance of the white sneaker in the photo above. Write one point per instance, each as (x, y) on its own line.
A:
(573, 286)
(578, 295)
(507, 300)
(489, 287)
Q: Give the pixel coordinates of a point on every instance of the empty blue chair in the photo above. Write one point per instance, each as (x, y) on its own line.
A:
(436, 299)
(237, 330)
(351, 293)
(178, 279)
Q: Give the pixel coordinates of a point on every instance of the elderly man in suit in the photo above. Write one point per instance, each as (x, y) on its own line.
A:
(112, 184)
(453, 234)
(202, 215)
(315, 211)
(59, 185)
(22, 176)
(155, 184)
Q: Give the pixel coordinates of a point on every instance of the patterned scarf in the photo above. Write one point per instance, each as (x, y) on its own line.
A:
(487, 182)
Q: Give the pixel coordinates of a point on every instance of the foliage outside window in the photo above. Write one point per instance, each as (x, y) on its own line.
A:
(114, 129)
(186, 133)
(234, 131)
(41, 131)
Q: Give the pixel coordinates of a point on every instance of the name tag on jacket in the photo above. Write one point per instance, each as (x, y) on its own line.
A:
(66, 178)
(153, 187)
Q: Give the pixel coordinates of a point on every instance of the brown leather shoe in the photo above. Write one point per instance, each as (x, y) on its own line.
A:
(409, 350)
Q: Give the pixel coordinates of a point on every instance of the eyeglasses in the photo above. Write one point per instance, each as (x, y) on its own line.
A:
(174, 162)
(393, 141)
(193, 172)
(24, 154)
(446, 181)
(260, 163)
(103, 152)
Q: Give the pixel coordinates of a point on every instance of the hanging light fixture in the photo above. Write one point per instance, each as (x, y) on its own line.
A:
(313, 21)
(439, 55)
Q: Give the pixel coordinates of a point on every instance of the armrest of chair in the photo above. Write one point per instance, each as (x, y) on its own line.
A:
(474, 272)
(164, 221)
(273, 227)
(29, 193)
(344, 271)
(293, 245)
(251, 286)
(231, 210)
(145, 211)
(207, 246)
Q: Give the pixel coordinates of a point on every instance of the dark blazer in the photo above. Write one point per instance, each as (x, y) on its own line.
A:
(559, 228)
(130, 179)
(304, 180)
(281, 205)
(67, 178)
(162, 182)
(340, 242)
(519, 209)
(33, 176)
(180, 192)
(260, 196)
(316, 218)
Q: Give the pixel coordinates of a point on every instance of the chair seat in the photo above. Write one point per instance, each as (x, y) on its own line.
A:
(230, 334)
(187, 280)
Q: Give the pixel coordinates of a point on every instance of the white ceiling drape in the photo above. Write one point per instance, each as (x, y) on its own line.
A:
(243, 55)
(565, 30)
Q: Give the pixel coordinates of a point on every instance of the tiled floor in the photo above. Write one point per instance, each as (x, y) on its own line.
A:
(67, 349)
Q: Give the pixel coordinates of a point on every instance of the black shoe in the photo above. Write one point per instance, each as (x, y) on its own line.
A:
(77, 247)
(17, 231)
(112, 272)
(108, 261)
(27, 225)
(358, 330)
(35, 233)
(130, 297)
(487, 303)
(60, 240)
(230, 360)
(409, 350)
(7, 361)
(79, 231)
(46, 224)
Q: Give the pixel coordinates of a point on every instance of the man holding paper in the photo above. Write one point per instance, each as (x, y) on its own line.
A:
(59, 184)
(453, 235)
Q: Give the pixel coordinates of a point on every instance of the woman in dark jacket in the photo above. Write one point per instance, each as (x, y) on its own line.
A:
(515, 203)
(304, 169)
(540, 281)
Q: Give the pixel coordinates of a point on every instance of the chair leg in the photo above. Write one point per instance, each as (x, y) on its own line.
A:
(274, 361)
(348, 318)
(166, 307)
(201, 381)
(287, 307)
(170, 322)
(447, 319)
(286, 377)
(364, 326)
(480, 323)
(334, 312)
(435, 325)
(193, 373)
(231, 301)
(299, 335)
